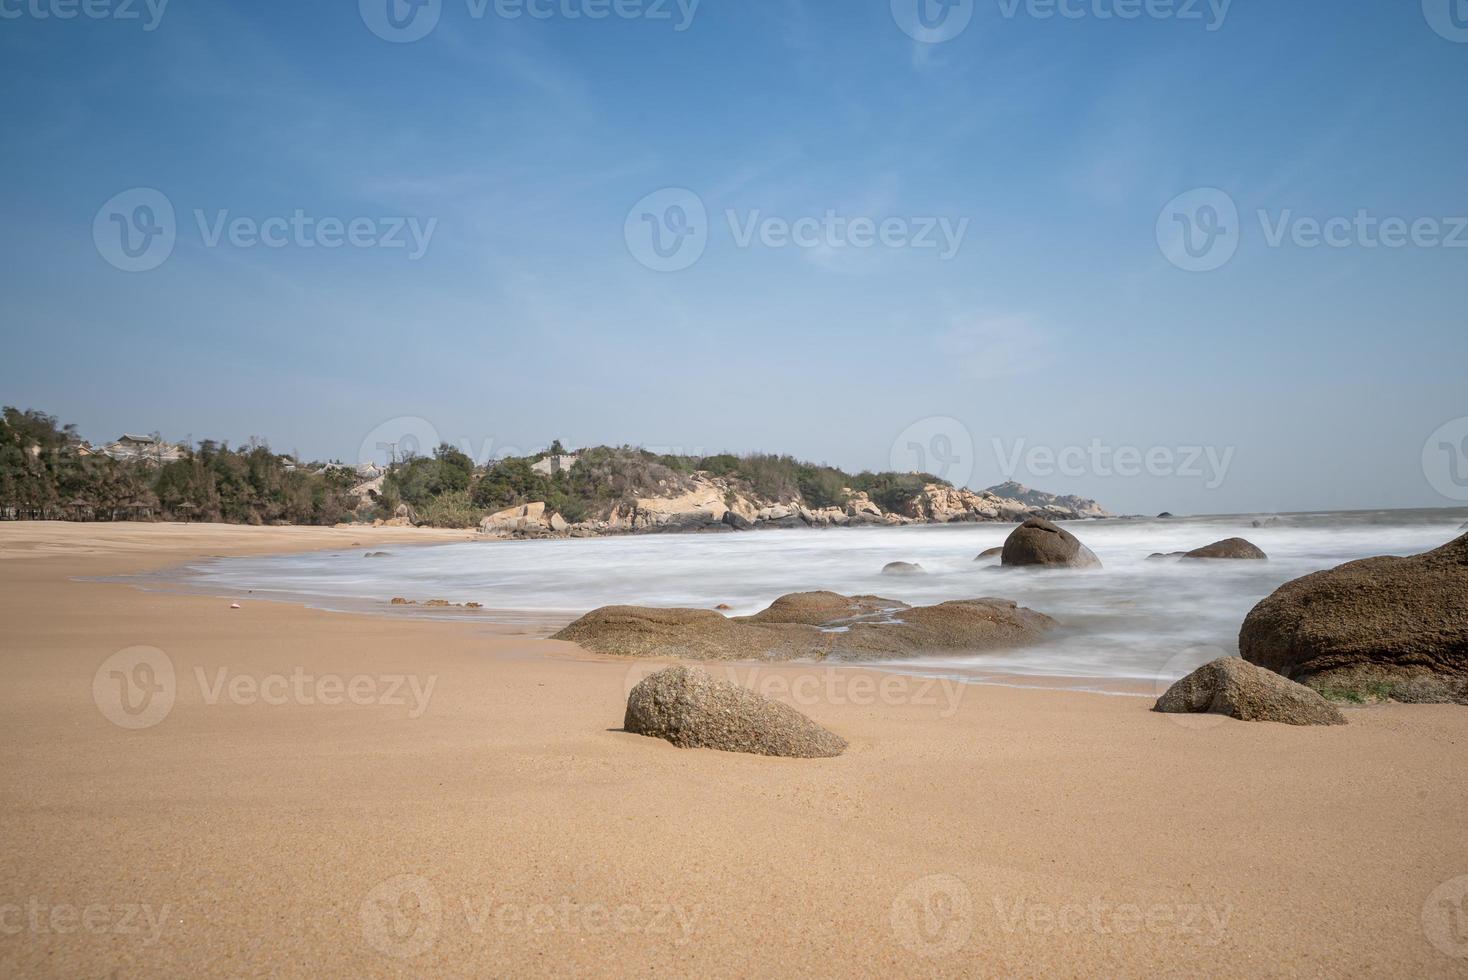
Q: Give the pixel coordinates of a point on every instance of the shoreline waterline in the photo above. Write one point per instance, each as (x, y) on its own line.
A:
(1132, 625)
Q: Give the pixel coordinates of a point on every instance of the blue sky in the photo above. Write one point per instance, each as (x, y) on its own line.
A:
(1320, 373)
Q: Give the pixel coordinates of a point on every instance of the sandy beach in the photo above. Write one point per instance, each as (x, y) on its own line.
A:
(329, 794)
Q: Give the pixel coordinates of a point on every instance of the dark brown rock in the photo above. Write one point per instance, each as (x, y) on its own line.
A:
(1368, 626)
(1233, 687)
(1228, 548)
(691, 709)
(1039, 542)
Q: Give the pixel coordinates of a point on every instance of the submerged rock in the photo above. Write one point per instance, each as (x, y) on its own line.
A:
(1039, 542)
(693, 710)
(1233, 687)
(1228, 548)
(990, 553)
(810, 625)
(1369, 628)
(902, 568)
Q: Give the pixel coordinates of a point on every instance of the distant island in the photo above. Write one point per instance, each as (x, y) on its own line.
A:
(47, 472)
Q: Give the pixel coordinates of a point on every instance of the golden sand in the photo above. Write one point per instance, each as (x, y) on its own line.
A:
(323, 794)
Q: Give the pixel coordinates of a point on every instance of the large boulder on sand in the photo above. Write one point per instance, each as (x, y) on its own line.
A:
(1233, 687)
(1039, 542)
(1393, 627)
(810, 626)
(1228, 548)
(693, 710)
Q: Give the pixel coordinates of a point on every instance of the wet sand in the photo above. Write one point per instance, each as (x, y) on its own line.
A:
(330, 794)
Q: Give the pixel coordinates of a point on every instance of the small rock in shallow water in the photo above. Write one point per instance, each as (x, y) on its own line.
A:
(1228, 548)
(902, 568)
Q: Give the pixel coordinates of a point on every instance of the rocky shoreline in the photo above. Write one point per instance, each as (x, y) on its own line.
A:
(714, 506)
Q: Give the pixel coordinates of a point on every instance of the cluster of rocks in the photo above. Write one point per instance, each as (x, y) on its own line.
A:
(1381, 628)
(435, 603)
(810, 626)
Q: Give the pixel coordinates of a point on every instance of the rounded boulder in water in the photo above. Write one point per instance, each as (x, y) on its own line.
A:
(1039, 542)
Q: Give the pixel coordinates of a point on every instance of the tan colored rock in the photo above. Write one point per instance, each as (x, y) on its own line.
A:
(811, 626)
(691, 709)
(1236, 688)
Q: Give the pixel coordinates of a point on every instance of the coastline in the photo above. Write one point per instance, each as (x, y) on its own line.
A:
(265, 829)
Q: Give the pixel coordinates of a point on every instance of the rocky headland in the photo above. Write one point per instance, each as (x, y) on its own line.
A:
(710, 504)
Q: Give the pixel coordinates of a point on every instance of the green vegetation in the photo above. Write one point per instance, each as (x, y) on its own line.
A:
(45, 475)
(47, 472)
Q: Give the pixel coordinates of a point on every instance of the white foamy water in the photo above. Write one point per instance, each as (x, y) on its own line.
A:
(1134, 619)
